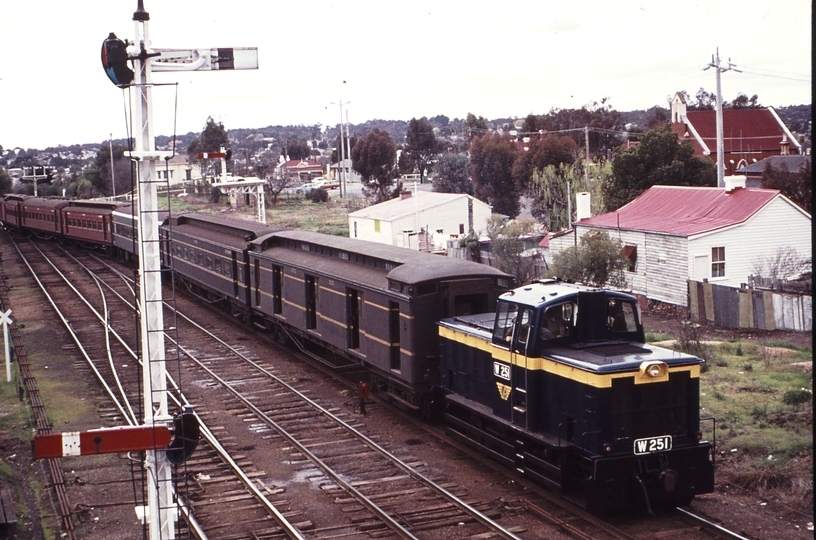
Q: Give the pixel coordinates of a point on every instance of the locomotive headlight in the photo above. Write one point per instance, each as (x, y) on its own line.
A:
(653, 371)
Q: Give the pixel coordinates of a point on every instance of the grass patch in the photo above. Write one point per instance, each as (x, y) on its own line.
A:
(653, 337)
(763, 404)
(294, 212)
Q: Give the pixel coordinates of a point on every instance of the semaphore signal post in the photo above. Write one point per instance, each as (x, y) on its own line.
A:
(161, 511)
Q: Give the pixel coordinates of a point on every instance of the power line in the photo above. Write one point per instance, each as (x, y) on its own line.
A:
(775, 76)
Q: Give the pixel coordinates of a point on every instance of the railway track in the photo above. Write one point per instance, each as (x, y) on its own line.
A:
(250, 409)
(393, 478)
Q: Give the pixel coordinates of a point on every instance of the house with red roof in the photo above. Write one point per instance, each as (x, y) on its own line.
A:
(672, 234)
(305, 170)
(749, 135)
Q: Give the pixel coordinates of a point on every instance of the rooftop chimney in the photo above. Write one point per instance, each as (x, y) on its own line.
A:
(785, 146)
(734, 182)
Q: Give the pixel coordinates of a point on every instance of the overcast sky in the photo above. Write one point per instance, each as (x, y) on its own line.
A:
(391, 60)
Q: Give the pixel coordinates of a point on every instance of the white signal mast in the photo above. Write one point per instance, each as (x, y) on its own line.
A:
(162, 509)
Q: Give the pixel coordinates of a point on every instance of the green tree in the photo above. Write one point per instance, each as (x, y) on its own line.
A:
(795, 185)
(549, 191)
(99, 173)
(421, 144)
(453, 174)
(543, 152)
(604, 120)
(492, 158)
(744, 102)
(374, 157)
(659, 159)
(6, 181)
(507, 243)
(213, 138)
(596, 260)
(474, 126)
(298, 149)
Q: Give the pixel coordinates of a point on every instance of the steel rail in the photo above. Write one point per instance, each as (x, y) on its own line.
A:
(74, 336)
(477, 515)
(194, 525)
(104, 320)
(706, 524)
(180, 400)
(468, 509)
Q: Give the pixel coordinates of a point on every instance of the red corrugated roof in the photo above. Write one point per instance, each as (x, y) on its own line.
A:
(743, 129)
(685, 211)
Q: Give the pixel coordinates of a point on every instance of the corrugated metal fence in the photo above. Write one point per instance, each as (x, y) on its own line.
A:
(750, 308)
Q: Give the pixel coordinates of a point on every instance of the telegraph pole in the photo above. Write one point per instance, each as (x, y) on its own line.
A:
(341, 154)
(715, 63)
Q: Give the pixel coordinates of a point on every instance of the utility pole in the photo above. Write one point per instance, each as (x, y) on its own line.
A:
(715, 63)
(113, 178)
(341, 154)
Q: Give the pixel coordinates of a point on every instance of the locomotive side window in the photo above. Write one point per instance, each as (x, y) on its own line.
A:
(558, 321)
(621, 316)
(505, 319)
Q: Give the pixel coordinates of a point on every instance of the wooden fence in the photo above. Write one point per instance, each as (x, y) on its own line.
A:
(733, 307)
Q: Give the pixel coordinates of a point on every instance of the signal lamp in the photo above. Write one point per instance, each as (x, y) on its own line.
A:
(115, 59)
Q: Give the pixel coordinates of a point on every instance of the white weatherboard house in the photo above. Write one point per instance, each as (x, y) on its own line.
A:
(672, 234)
(423, 220)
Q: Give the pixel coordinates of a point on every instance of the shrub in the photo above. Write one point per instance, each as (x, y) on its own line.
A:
(318, 195)
(797, 397)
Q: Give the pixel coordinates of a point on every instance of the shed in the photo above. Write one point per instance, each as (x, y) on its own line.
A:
(421, 221)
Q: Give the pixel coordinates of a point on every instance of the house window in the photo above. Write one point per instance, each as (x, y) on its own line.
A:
(630, 252)
(461, 228)
(355, 229)
(376, 225)
(717, 262)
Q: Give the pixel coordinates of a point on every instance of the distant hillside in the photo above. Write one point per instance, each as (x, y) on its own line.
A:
(796, 117)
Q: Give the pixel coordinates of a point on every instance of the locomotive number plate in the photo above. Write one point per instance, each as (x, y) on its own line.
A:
(501, 370)
(651, 445)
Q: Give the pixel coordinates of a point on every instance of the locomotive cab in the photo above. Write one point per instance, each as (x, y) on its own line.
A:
(590, 317)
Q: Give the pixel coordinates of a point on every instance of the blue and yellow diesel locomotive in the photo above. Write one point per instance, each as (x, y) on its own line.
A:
(559, 384)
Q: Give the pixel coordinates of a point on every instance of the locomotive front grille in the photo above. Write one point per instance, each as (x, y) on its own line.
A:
(646, 410)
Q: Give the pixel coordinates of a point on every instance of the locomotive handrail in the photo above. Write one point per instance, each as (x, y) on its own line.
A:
(714, 437)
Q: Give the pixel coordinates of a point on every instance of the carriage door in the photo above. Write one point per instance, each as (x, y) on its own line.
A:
(235, 274)
(353, 318)
(518, 362)
(311, 302)
(394, 335)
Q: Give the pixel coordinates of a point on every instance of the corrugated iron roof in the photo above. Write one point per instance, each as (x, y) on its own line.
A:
(685, 211)
(419, 201)
(743, 129)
